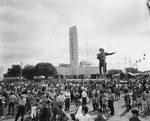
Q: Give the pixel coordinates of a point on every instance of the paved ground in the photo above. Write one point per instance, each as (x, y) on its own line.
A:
(120, 113)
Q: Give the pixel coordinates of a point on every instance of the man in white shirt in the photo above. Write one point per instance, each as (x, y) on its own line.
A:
(67, 101)
(84, 97)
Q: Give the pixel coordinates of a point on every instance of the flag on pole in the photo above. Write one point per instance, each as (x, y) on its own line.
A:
(136, 61)
(139, 60)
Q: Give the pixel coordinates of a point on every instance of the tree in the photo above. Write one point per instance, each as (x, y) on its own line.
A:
(132, 70)
(115, 71)
(46, 69)
(29, 72)
(14, 71)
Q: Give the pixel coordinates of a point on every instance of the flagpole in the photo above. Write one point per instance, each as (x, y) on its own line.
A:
(21, 70)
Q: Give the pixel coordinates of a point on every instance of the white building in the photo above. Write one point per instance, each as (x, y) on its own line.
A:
(1, 73)
(73, 68)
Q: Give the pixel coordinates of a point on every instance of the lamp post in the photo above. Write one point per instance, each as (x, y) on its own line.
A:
(112, 70)
(119, 69)
(21, 70)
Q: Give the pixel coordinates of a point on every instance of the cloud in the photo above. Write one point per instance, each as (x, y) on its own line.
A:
(24, 30)
(37, 30)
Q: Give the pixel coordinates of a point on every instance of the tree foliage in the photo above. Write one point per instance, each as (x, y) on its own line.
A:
(14, 71)
(29, 71)
(46, 69)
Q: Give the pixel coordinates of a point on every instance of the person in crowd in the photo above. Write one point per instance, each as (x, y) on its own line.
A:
(118, 92)
(76, 96)
(61, 98)
(55, 104)
(84, 97)
(134, 96)
(72, 94)
(127, 100)
(44, 113)
(78, 112)
(104, 103)
(21, 108)
(147, 97)
(134, 115)
(99, 115)
(1, 106)
(100, 99)
(139, 102)
(111, 102)
(5, 95)
(95, 101)
(28, 103)
(12, 100)
(85, 116)
(62, 116)
(67, 101)
(144, 105)
(33, 112)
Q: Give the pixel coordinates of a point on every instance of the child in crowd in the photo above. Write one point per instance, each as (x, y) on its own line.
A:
(139, 102)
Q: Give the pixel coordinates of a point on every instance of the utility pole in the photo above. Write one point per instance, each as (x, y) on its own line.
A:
(130, 65)
(126, 76)
(21, 70)
(112, 70)
(119, 69)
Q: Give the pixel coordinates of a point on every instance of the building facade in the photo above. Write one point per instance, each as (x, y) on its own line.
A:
(1, 73)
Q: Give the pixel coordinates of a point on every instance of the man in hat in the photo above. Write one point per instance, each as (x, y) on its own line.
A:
(102, 59)
(134, 115)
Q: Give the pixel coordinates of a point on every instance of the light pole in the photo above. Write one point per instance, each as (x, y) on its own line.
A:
(21, 70)
(119, 69)
(112, 70)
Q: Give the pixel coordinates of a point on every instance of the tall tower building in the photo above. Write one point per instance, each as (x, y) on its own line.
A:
(73, 49)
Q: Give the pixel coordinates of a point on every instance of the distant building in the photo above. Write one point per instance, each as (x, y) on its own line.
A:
(74, 68)
(1, 73)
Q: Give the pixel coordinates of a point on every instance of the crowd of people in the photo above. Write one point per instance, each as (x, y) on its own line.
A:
(50, 100)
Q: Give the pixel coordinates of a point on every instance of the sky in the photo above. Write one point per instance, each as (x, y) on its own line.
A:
(33, 31)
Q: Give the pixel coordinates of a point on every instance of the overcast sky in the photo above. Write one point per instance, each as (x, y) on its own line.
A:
(33, 31)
